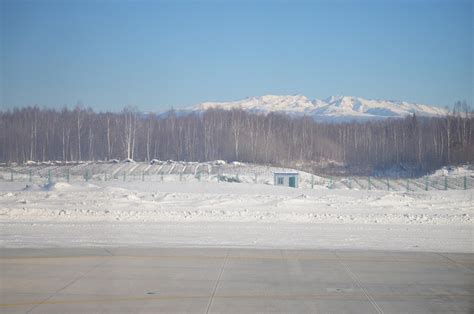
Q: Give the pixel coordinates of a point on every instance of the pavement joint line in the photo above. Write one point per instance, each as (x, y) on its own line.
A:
(459, 263)
(67, 285)
(388, 260)
(320, 296)
(217, 283)
(108, 252)
(358, 283)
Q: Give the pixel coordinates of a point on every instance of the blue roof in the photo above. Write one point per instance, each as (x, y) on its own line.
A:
(286, 173)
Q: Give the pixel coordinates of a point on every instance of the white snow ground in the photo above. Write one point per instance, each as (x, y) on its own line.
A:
(218, 214)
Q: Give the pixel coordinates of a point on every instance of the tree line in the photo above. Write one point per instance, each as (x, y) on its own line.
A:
(81, 134)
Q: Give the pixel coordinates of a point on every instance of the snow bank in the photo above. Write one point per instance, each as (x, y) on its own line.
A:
(455, 171)
(32, 187)
(261, 211)
(57, 186)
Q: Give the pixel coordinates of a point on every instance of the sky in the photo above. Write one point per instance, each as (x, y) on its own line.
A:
(157, 55)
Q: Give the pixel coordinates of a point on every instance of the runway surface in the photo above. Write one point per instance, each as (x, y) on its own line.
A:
(219, 280)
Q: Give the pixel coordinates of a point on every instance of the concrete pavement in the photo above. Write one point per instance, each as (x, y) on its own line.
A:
(198, 280)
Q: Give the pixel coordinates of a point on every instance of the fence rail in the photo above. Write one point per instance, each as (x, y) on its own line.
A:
(198, 172)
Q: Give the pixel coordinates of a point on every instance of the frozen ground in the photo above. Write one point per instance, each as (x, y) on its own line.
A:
(207, 213)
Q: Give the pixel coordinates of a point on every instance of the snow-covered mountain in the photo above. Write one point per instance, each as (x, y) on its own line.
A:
(333, 109)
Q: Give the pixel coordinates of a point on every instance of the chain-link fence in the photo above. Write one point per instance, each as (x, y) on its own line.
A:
(186, 172)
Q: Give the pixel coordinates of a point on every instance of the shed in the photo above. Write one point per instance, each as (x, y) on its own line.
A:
(286, 179)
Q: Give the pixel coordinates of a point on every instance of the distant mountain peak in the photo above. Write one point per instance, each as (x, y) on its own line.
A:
(332, 109)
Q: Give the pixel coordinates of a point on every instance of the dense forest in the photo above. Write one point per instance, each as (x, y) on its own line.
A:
(76, 134)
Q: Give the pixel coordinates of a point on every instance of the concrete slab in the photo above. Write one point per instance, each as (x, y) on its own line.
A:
(19, 302)
(64, 303)
(288, 305)
(165, 261)
(140, 287)
(169, 252)
(426, 306)
(214, 280)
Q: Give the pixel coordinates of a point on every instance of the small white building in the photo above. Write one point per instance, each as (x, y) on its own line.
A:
(286, 179)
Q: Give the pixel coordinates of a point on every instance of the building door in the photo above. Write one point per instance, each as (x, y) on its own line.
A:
(292, 182)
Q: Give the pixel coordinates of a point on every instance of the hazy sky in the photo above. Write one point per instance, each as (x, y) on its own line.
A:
(158, 54)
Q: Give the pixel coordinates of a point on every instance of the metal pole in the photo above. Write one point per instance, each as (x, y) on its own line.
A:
(408, 185)
(465, 183)
(446, 182)
(427, 183)
(67, 175)
(31, 175)
(368, 181)
(312, 181)
(388, 184)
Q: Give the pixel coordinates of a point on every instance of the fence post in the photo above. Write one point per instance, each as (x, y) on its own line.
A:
(238, 179)
(199, 177)
(67, 175)
(408, 185)
(312, 181)
(388, 184)
(446, 182)
(31, 176)
(49, 177)
(368, 182)
(350, 183)
(465, 183)
(87, 175)
(427, 183)
(161, 177)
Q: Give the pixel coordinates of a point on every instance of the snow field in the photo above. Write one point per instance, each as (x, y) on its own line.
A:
(190, 207)
(211, 201)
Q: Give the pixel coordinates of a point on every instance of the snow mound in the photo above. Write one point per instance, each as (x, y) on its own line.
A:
(57, 186)
(32, 187)
(465, 170)
(91, 186)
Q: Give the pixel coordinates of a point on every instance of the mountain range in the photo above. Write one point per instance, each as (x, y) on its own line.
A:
(332, 109)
